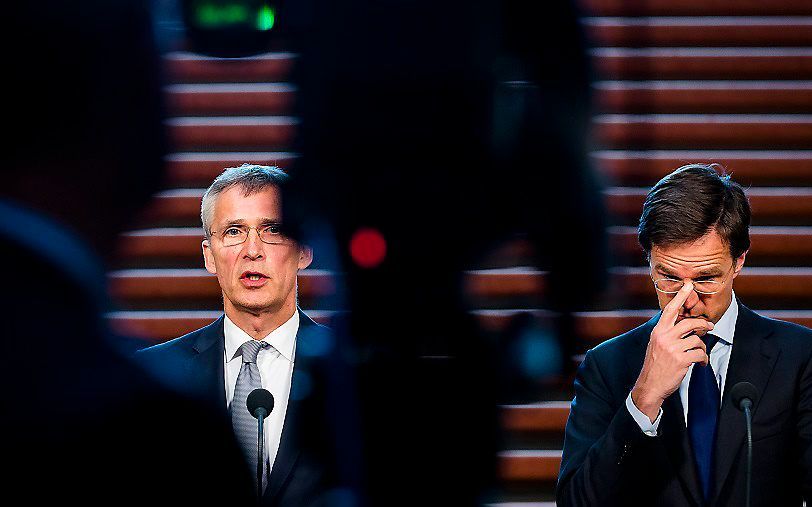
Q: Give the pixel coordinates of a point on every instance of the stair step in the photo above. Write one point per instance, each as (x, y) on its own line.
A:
(769, 245)
(152, 284)
(787, 244)
(591, 328)
(230, 98)
(182, 67)
(244, 132)
(695, 7)
(182, 206)
(704, 96)
(768, 203)
(645, 168)
(703, 63)
(708, 31)
(529, 465)
(200, 169)
(704, 131)
(613, 63)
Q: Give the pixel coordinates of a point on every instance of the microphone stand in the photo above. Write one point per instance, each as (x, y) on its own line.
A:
(261, 413)
(746, 406)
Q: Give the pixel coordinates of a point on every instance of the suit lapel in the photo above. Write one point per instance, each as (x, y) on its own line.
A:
(751, 360)
(302, 376)
(672, 427)
(206, 367)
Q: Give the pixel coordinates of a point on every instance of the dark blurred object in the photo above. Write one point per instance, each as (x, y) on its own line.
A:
(444, 130)
(81, 424)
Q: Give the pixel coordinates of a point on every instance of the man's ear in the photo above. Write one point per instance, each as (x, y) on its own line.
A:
(208, 257)
(739, 264)
(305, 256)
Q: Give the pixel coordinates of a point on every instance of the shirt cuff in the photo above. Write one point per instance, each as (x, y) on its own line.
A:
(642, 420)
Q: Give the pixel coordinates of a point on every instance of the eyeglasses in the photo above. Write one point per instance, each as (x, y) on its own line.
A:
(673, 285)
(237, 234)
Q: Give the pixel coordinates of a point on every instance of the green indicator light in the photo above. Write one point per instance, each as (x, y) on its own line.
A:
(265, 18)
(215, 16)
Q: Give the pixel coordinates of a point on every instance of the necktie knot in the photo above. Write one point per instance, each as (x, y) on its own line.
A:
(250, 350)
(710, 340)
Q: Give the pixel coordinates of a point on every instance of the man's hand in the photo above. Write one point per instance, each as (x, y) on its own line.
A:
(672, 349)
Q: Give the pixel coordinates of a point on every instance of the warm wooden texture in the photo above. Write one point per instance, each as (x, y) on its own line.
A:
(748, 167)
(716, 31)
(191, 68)
(703, 63)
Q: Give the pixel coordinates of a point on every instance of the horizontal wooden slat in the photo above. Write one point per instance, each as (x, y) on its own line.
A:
(197, 284)
(192, 68)
(523, 466)
(232, 99)
(791, 244)
(777, 202)
(708, 31)
(695, 7)
(645, 168)
(614, 63)
(704, 96)
(704, 131)
(233, 132)
(704, 63)
(184, 205)
(200, 169)
(548, 416)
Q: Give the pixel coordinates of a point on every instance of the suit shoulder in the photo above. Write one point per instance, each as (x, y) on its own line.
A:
(789, 333)
(622, 343)
(176, 346)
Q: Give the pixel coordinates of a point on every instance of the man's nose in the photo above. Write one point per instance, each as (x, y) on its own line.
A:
(692, 301)
(253, 245)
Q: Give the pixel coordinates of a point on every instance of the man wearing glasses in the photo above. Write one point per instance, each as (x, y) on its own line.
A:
(652, 422)
(262, 341)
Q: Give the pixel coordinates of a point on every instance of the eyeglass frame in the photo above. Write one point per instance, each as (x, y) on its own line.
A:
(704, 293)
(285, 239)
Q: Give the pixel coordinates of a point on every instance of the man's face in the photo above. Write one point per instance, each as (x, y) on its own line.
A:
(255, 277)
(706, 259)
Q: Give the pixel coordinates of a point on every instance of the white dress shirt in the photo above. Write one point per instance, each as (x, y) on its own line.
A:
(275, 367)
(719, 359)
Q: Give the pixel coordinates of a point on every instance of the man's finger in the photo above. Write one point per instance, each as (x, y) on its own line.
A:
(693, 342)
(688, 326)
(697, 356)
(671, 310)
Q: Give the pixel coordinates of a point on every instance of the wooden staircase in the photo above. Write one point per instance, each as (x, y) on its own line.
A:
(688, 81)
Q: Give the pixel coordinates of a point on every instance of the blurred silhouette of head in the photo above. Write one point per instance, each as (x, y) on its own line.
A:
(86, 114)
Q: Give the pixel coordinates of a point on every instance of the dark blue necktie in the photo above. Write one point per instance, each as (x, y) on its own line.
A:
(703, 412)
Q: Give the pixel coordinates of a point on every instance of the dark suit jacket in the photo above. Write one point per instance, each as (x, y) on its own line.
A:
(607, 460)
(311, 461)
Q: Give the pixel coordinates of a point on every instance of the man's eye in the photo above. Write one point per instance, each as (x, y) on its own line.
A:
(232, 231)
(271, 229)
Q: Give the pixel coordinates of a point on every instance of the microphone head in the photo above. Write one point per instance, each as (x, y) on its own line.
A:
(257, 399)
(743, 391)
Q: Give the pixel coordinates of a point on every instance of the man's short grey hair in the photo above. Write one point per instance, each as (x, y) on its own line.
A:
(250, 177)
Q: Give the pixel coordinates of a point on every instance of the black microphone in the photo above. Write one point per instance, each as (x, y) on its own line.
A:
(744, 396)
(260, 404)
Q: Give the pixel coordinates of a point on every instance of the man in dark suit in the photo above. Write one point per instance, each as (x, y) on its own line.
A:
(652, 422)
(265, 341)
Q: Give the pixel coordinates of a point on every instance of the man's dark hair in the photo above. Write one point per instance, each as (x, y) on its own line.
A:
(688, 203)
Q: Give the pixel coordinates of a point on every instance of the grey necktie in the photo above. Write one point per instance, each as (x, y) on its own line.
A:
(245, 424)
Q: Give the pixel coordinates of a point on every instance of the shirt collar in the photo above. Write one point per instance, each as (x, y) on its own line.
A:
(726, 326)
(283, 338)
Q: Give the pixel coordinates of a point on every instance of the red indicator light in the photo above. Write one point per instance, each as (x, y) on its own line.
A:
(367, 248)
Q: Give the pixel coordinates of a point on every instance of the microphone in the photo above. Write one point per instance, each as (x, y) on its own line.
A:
(260, 404)
(744, 396)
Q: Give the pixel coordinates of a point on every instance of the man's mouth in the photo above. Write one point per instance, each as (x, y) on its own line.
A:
(253, 276)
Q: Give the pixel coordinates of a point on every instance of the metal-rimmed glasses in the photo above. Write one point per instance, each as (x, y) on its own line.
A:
(673, 285)
(234, 235)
